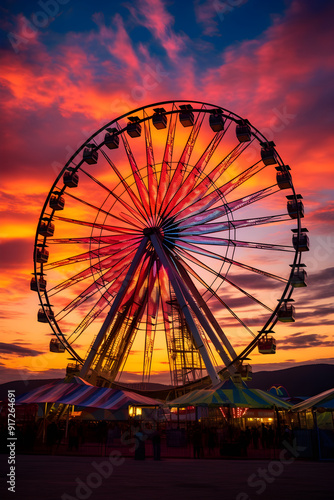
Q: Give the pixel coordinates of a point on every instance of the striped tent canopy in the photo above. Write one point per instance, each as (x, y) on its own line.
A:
(231, 394)
(324, 400)
(86, 395)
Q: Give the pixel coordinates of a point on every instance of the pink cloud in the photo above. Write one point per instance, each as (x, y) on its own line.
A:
(154, 16)
(117, 41)
(322, 217)
(207, 15)
(21, 33)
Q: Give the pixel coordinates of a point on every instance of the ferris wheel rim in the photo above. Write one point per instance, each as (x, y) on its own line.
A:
(286, 295)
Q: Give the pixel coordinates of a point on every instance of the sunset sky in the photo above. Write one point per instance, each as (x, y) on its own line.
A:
(69, 67)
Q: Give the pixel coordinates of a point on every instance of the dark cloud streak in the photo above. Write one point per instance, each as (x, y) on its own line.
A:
(18, 350)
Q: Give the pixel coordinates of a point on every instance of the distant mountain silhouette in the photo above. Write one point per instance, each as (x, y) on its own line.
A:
(305, 380)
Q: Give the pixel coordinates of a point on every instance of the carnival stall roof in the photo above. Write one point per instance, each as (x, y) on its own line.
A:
(81, 393)
(324, 400)
(233, 395)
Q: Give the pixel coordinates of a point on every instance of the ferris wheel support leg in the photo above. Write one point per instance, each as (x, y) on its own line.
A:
(100, 336)
(185, 309)
(207, 328)
(202, 304)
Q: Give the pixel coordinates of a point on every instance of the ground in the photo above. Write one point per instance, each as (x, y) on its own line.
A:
(68, 478)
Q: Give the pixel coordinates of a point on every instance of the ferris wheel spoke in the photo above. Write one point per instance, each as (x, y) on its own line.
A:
(120, 229)
(214, 227)
(252, 198)
(88, 294)
(114, 309)
(241, 178)
(151, 174)
(208, 153)
(138, 280)
(167, 328)
(133, 221)
(228, 160)
(113, 340)
(80, 258)
(191, 248)
(116, 271)
(153, 284)
(189, 147)
(143, 283)
(202, 205)
(197, 193)
(97, 209)
(183, 297)
(204, 266)
(153, 293)
(181, 196)
(211, 198)
(87, 273)
(108, 250)
(149, 151)
(148, 350)
(207, 240)
(73, 280)
(138, 210)
(91, 240)
(109, 280)
(178, 175)
(194, 174)
(103, 302)
(164, 284)
(131, 233)
(164, 179)
(140, 184)
(230, 352)
(139, 293)
(88, 319)
(116, 263)
(201, 212)
(151, 322)
(129, 339)
(138, 298)
(134, 198)
(235, 316)
(138, 303)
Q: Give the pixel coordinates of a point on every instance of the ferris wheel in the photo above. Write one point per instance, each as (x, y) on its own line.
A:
(165, 244)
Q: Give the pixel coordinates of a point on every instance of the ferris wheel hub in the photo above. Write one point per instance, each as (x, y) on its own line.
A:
(150, 230)
(158, 231)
